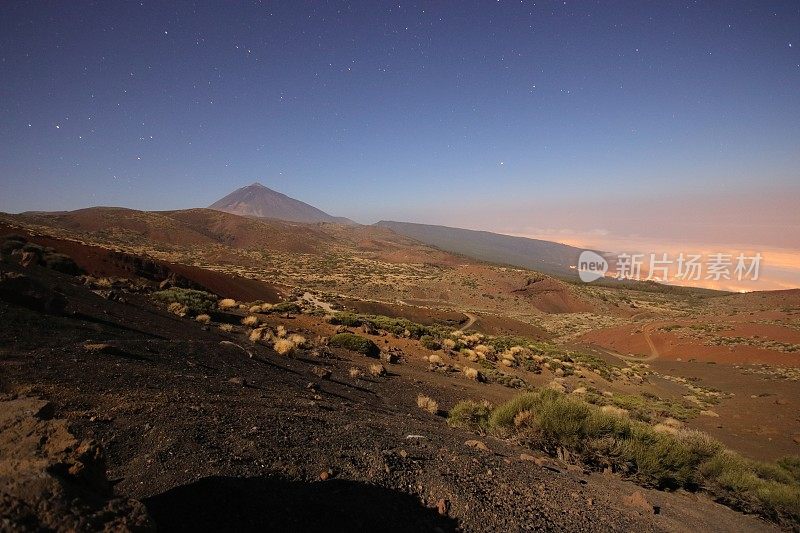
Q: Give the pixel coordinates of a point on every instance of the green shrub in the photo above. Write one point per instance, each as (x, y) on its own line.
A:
(430, 343)
(471, 415)
(285, 307)
(355, 343)
(398, 326)
(502, 419)
(197, 302)
(791, 463)
(684, 459)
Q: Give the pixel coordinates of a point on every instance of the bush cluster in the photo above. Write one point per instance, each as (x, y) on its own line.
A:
(355, 343)
(196, 302)
(554, 422)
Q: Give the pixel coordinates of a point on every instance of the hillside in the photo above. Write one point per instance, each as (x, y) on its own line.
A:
(544, 256)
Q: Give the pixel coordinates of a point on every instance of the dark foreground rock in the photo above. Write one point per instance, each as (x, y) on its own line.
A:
(51, 481)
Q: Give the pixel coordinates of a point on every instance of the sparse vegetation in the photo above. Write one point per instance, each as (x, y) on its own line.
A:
(397, 326)
(203, 319)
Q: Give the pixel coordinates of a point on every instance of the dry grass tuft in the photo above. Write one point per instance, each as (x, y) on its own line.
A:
(203, 319)
(356, 373)
(177, 308)
(256, 335)
(284, 347)
(427, 403)
(435, 359)
(226, 327)
(472, 373)
(298, 340)
(250, 321)
(227, 303)
(377, 369)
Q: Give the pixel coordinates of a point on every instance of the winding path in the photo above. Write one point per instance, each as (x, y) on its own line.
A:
(654, 353)
(472, 319)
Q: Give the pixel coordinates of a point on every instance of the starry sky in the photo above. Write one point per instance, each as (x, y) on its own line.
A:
(524, 117)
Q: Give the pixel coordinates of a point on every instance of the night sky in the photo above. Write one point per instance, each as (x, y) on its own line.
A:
(447, 112)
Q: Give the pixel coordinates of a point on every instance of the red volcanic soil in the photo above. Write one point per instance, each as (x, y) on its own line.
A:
(101, 262)
(553, 296)
(498, 325)
(227, 286)
(762, 331)
(759, 300)
(631, 339)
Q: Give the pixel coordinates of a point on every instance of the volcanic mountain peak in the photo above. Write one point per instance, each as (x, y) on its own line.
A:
(260, 201)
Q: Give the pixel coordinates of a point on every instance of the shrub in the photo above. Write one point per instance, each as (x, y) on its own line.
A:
(298, 340)
(355, 343)
(284, 347)
(284, 307)
(791, 463)
(177, 308)
(356, 373)
(472, 373)
(227, 303)
(377, 369)
(471, 415)
(62, 263)
(196, 302)
(665, 459)
(398, 326)
(256, 335)
(11, 243)
(503, 415)
(430, 343)
(250, 321)
(226, 327)
(435, 359)
(203, 319)
(427, 403)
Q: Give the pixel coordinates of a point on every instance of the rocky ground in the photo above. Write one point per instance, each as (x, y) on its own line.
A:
(197, 428)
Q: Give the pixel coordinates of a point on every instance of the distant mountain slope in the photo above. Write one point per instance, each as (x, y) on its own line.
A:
(543, 256)
(259, 201)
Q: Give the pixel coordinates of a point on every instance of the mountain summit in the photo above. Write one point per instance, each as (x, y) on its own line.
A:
(260, 201)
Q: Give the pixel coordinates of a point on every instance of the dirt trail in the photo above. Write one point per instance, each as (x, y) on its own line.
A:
(472, 319)
(325, 306)
(653, 350)
(654, 353)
